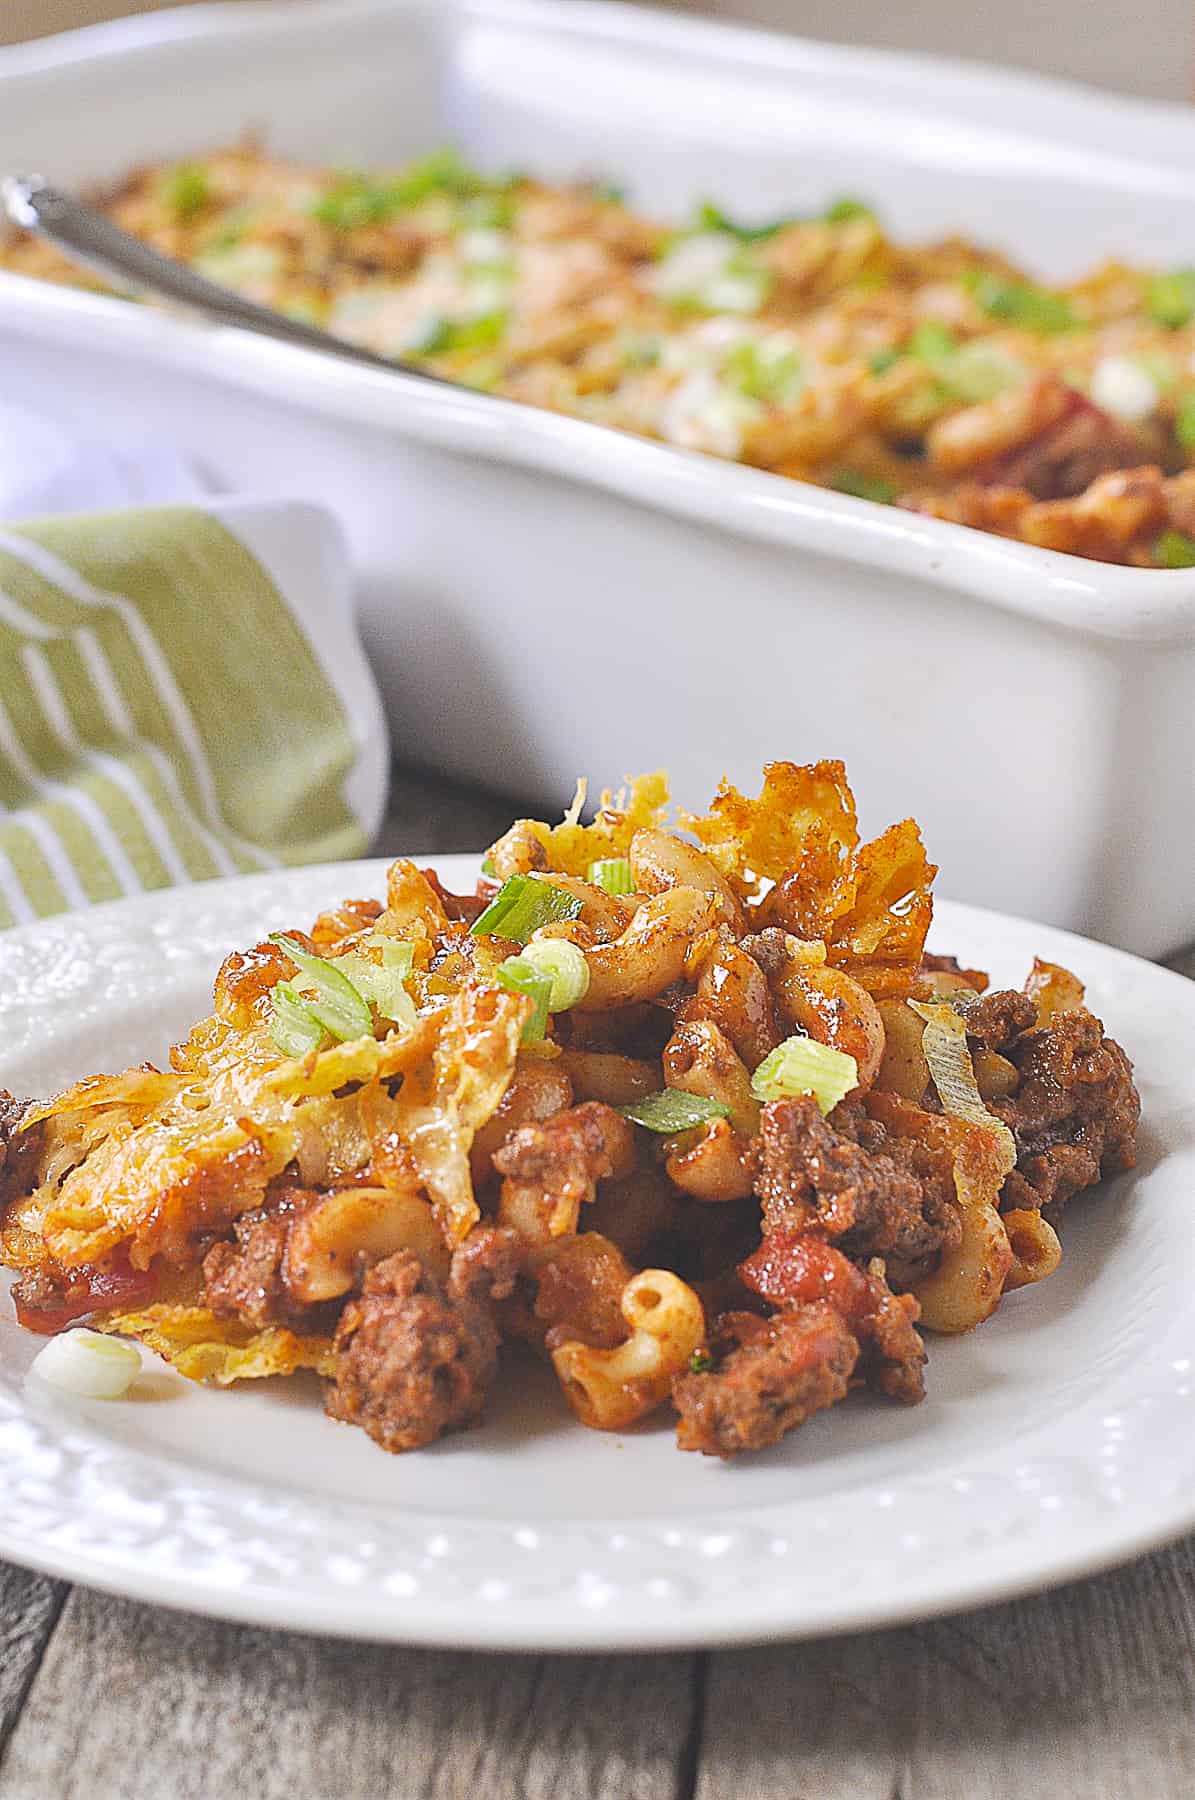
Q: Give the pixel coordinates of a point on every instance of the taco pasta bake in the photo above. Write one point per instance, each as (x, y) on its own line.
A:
(938, 377)
(687, 1109)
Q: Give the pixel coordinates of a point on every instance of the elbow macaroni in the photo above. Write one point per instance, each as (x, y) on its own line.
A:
(611, 1389)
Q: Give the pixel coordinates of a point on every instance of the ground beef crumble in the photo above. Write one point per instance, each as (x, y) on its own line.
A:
(767, 1377)
(18, 1152)
(245, 1279)
(1074, 1113)
(874, 1194)
(1000, 1018)
(415, 1357)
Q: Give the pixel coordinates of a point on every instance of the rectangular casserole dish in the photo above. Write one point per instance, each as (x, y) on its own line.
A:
(540, 596)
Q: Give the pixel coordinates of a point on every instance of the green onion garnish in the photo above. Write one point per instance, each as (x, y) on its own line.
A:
(185, 190)
(978, 371)
(487, 867)
(519, 976)
(1175, 550)
(293, 1026)
(1170, 299)
(864, 487)
(1021, 303)
(490, 212)
(336, 1004)
(700, 1363)
(521, 906)
(842, 211)
(671, 1111)
(882, 361)
(355, 199)
(800, 1065)
(566, 967)
(384, 983)
(711, 218)
(931, 341)
(612, 873)
(762, 374)
(439, 336)
(1184, 422)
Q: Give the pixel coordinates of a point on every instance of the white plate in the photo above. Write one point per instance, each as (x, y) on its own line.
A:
(1056, 1440)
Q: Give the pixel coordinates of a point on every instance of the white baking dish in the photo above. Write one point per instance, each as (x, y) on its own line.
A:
(542, 596)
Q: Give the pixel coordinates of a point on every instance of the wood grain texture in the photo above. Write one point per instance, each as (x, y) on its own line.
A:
(1085, 1694)
(29, 1609)
(132, 1703)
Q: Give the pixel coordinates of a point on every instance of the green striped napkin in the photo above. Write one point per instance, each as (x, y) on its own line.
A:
(182, 695)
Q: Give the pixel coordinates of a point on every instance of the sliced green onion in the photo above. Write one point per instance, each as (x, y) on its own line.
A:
(490, 212)
(700, 1363)
(711, 218)
(437, 335)
(487, 867)
(384, 983)
(521, 906)
(293, 1026)
(641, 350)
(612, 873)
(842, 211)
(882, 361)
(978, 371)
(519, 976)
(671, 1111)
(761, 373)
(185, 190)
(1175, 550)
(1021, 303)
(337, 1005)
(444, 171)
(1184, 422)
(88, 1364)
(1170, 299)
(864, 487)
(931, 341)
(800, 1065)
(355, 199)
(565, 964)
(944, 1042)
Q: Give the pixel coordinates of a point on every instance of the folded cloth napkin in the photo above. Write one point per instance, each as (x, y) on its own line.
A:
(182, 695)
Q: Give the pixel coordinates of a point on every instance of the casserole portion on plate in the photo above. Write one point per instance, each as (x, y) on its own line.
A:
(938, 377)
(699, 1121)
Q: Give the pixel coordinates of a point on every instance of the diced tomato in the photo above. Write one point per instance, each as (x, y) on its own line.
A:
(795, 1267)
(99, 1289)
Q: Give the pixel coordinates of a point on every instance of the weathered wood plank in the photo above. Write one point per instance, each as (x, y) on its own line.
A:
(29, 1609)
(138, 1704)
(1086, 1692)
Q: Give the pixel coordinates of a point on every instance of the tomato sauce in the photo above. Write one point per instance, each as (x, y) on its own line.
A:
(95, 1289)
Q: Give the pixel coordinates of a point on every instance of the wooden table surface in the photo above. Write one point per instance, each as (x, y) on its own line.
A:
(1084, 1694)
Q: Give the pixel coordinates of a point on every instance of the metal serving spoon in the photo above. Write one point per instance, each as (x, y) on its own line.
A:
(86, 236)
